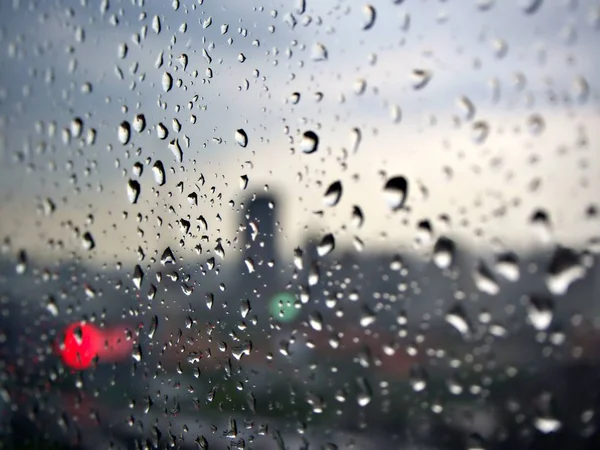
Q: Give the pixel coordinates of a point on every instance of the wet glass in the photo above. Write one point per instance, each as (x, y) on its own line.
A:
(301, 224)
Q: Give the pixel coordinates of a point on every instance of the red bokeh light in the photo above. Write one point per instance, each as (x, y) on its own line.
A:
(80, 345)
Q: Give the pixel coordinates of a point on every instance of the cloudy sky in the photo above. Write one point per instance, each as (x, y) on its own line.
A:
(487, 108)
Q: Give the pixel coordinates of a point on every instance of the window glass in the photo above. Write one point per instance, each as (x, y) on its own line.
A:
(299, 224)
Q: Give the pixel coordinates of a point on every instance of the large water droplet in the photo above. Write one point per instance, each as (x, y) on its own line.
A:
(458, 319)
(333, 194)
(326, 245)
(507, 265)
(318, 52)
(176, 150)
(395, 192)
(315, 320)
(124, 132)
(87, 241)
(241, 138)
(167, 257)
(309, 142)
(133, 191)
(138, 277)
(485, 281)
(161, 131)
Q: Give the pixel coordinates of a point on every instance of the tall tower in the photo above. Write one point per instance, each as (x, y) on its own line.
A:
(260, 237)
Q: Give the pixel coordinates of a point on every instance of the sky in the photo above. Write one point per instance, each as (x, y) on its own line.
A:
(487, 108)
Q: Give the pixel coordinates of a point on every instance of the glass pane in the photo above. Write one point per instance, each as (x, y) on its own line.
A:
(300, 224)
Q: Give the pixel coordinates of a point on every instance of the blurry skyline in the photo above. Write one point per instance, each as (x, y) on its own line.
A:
(524, 141)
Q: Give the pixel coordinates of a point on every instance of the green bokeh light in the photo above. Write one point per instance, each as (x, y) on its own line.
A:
(283, 307)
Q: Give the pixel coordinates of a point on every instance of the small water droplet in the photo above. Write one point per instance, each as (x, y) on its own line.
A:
(355, 139)
(370, 14)
(87, 241)
(564, 269)
(133, 191)
(540, 312)
(443, 252)
(124, 133)
(395, 192)
(309, 142)
(138, 277)
(161, 131)
(158, 170)
(153, 327)
(420, 78)
(530, 6)
(333, 194)
(156, 24)
(167, 81)
(507, 265)
(139, 123)
(241, 138)
(22, 260)
(358, 218)
(418, 378)
(315, 320)
(485, 281)
(326, 245)
(547, 424)
(480, 131)
(365, 393)
(466, 107)
(318, 52)
(176, 150)
(244, 182)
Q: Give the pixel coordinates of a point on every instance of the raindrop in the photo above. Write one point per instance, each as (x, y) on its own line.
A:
(161, 131)
(536, 124)
(76, 127)
(158, 170)
(318, 52)
(480, 131)
(547, 425)
(87, 241)
(133, 191)
(395, 192)
(176, 150)
(326, 245)
(153, 327)
(458, 319)
(315, 320)
(540, 312)
(484, 280)
(507, 265)
(355, 138)
(139, 123)
(420, 78)
(564, 269)
(241, 138)
(309, 142)
(333, 194)
(466, 107)
(124, 132)
(167, 81)
(138, 277)
(156, 24)
(358, 217)
(167, 257)
(244, 182)
(418, 378)
(530, 6)
(443, 252)
(365, 393)
(370, 16)
(21, 267)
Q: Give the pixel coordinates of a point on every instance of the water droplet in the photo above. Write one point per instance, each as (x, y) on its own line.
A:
(480, 131)
(309, 142)
(420, 78)
(22, 259)
(333, 194)
(153, 326)
(536, 124)
(395, 192)
(467, 108)
(124, 133)
(76, 127)
(167, 81)
(443, 252)
(326, 245)
(138, 277)
(530, 6)
(370, 16)
(507, 265)
(133, 191)
(241, 138)
(485, 281)
(161, 131)
(358, 219)
(139, 123)
(176, 150)
(458, 319)
(564, 269)
(158, 170)
(318, 52)
(87, 241)
(418, 378)
(315, 320)
(547, 425)
(244, 182)
(355, 138)
(365, 393)
(167, 257)
(540, 312)
(156, 24)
